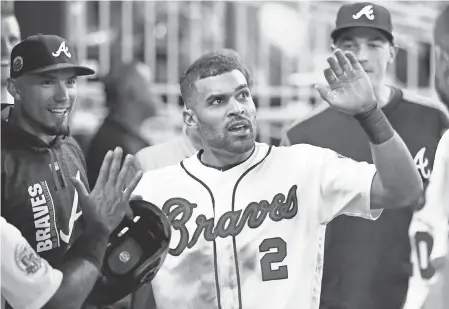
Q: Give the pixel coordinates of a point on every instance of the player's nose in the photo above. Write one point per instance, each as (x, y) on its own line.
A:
(235, 107)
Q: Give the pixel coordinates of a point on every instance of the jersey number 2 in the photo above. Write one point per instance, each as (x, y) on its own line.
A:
(424, 245)
(268, 273)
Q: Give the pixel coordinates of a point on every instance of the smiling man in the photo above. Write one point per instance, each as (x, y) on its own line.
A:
(38, 155)
(367, 264)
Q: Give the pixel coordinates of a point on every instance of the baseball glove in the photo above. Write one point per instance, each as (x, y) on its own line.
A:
(135, 253)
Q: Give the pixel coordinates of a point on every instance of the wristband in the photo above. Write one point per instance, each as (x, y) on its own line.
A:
(376, 125)
(91, 246)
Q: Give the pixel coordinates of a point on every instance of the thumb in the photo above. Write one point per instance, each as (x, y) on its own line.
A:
(324, 92)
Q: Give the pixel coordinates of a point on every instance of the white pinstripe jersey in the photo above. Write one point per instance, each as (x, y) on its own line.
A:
(252, 236)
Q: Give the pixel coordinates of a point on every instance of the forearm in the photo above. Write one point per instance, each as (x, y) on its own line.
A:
(396, 171)
(80, 270)
(397, 182)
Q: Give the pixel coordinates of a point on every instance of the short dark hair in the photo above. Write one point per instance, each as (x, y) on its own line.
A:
(212, 64)
(7, 8)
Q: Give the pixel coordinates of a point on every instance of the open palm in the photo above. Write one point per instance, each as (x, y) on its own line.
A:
(350, 89)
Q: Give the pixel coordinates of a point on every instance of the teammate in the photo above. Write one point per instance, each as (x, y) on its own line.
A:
(28, 281)
(368, 263)
(249, 219)
(429, 228)
(38, 155)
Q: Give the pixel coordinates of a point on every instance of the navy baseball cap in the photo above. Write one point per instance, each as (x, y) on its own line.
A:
(363, 14)
(44, 53)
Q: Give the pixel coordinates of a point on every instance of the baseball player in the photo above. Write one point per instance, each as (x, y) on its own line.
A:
(248, 220)
(368, 263)
(429, 227)
(29, 281)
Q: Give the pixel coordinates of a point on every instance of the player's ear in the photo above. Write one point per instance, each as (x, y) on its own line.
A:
(394, 49)
(189, 118)
(13, 89)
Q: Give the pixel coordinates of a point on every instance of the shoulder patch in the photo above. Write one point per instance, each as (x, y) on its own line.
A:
(27, 259)
(425, 101)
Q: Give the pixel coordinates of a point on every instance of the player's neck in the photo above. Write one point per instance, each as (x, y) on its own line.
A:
(383, 95)
(219, 158)
(28, 127)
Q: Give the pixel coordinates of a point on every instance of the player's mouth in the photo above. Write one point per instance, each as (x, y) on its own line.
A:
(240, 127)
(61, 112)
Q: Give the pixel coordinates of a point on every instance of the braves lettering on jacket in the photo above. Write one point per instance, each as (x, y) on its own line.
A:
(37, 195)
(246, 234)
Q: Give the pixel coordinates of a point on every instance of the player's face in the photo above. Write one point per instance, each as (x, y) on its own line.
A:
(225, 112)
(46, 100)
(10, 37)
(442, 72)
(372, 49)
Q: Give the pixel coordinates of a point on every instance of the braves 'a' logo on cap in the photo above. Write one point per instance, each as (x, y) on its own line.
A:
(17, 64)
(367, 11)
(62, 49)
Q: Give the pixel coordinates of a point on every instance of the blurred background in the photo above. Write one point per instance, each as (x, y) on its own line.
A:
(284, 43)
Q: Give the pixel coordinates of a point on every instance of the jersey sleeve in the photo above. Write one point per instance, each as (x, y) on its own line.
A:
(345, 187)
(28, 281)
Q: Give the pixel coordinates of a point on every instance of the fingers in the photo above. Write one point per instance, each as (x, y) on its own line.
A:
(330, 76)
(124, 172)
(335, 67)
(104, 169)
(353, 60)
(132, 185)
(341, 66)
(115, 165)
(79, 187)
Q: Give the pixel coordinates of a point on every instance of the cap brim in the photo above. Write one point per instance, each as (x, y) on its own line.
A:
(79, 70)
(337, 32)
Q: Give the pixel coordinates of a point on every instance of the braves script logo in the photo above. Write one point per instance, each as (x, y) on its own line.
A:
(62, 49)
(231, 223)
(422, 163)
(367, 11)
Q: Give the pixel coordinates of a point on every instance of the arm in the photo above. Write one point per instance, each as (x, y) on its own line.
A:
(80, 270)
(396, 182)
(103, 209)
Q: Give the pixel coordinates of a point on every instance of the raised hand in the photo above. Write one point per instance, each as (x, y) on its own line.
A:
(108, 202)
(350, 89)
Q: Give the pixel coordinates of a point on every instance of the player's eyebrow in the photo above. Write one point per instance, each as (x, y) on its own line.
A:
(225, 94)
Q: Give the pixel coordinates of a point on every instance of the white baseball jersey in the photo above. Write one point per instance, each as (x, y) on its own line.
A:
(252, 236)
(429, 230)
(28, 281)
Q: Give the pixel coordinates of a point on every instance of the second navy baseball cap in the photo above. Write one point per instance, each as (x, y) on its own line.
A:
(363, 14)
(44, 53)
